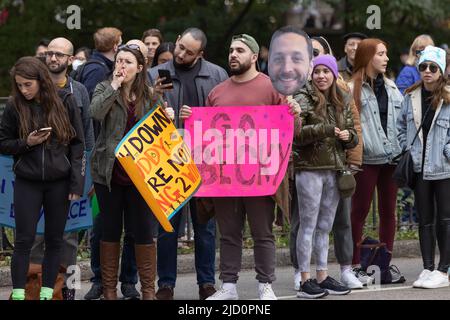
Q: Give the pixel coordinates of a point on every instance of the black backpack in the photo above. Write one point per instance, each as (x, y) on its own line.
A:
(78, 74)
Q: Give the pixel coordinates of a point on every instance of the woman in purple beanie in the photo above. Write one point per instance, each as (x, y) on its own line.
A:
(319, 153)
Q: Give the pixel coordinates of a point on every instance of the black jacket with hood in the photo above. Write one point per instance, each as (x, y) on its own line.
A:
(51, 160)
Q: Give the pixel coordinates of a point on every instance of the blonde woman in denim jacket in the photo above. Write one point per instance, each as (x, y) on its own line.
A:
(428, 101)
(378, 101)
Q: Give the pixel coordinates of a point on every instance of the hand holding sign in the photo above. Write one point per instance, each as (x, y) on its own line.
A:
(158, 162)
(294, 107)
(185, 112)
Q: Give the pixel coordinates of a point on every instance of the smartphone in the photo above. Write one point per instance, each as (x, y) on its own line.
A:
(163, 73)
(44, 130)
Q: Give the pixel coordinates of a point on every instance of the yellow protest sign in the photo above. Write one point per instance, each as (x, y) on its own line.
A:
(160, 165)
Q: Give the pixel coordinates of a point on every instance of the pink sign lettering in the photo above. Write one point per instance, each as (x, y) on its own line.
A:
(240, 151)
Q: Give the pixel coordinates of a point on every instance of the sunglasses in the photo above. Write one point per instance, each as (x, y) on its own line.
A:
(130, 46)
(59, 55)
(316, 52)
(418, 52)
(432, 67)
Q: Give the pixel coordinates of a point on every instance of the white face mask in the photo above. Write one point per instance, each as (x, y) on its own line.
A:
(76, 63)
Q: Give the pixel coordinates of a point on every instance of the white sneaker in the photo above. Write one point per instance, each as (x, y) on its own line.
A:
(436, 279)
(423, 275)
(265, 292)
(226, 292)
(297, 280)
(362, 276)
(349, 279)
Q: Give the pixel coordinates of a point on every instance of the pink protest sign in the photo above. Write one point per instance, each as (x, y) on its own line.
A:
(240, 151)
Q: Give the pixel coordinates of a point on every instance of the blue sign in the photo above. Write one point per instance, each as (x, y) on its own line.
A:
(80, 211)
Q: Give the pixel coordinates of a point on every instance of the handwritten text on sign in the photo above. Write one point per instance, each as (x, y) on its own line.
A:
(240, 151)
(80, 211)
(159, 163)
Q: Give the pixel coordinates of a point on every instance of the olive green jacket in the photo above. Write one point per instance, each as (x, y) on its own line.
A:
(315, 146)
(108, 107)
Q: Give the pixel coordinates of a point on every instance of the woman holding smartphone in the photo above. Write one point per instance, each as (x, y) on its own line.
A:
(119, 103)
(44, 133)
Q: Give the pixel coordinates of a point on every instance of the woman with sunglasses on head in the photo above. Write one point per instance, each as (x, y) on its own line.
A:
(42, 128)
(427, 103)
(409, 74)
(119, 103)
(378, 101)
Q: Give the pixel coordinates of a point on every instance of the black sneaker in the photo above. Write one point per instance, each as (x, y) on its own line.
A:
(333, 287)
(95, 293)
(397, 277)
(311, 290)
(129, 291)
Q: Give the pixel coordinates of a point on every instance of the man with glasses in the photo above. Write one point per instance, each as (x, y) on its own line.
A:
(193, 78)
(346, 63)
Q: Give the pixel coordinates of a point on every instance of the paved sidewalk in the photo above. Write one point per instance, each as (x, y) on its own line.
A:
(186, 288)
(186, 262)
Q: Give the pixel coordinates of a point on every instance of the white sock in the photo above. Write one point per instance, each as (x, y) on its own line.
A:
(229, 286)
(345, 268)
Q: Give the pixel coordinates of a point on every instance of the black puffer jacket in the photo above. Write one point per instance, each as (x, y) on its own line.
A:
(48, 161)
(316, 147)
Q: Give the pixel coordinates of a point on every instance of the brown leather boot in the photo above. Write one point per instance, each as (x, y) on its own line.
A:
(146, 264)
(109, 263)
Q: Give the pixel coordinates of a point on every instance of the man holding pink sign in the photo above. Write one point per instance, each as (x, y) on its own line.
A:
(242, 176)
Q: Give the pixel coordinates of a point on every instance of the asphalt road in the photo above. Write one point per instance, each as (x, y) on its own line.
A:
(186, 288)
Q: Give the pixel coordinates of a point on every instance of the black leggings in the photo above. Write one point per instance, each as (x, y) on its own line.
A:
(124, 204)
(29, 197)
(433, 204)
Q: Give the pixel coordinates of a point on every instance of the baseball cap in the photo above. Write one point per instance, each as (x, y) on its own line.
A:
(248, 40)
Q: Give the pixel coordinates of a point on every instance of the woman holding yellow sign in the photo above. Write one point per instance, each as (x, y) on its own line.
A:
(119, 103)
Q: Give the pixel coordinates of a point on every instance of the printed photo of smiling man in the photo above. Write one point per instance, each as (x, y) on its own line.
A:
(290, 56)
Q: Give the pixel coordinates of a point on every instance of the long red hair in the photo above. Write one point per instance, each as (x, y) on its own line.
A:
(364, 55)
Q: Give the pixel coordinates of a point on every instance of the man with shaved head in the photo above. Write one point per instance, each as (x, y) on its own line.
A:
(58, 58)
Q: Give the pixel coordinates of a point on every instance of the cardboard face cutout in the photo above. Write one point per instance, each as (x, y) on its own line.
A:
(289, 62)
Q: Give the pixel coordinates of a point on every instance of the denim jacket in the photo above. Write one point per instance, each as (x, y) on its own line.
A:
(437, 156)
(377, 147)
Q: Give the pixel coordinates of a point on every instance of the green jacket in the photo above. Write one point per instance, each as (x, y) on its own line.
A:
(109, 108)
(316, 147)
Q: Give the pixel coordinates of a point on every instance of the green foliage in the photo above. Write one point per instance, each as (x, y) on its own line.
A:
(21, 33)
(401, 21)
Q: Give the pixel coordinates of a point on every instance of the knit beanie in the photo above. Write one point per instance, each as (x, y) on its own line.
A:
(434, 54)
(328, 61)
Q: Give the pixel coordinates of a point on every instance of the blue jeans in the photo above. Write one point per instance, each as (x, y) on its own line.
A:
(205, 250)
(128, 268)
